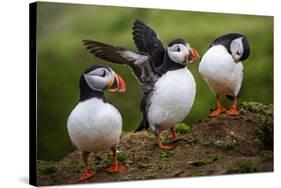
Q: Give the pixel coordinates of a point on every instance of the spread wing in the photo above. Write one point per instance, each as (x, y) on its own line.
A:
(139, 62)
(147, 41)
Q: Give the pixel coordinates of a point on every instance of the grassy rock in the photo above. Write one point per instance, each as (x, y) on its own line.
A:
(220, 145)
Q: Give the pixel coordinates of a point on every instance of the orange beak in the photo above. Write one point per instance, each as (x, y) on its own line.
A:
(192, 56)
(195, 54)
(118, 85)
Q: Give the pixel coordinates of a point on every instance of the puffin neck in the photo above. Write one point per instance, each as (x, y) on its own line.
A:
(168, 65)
(86, 92)
(92, 94)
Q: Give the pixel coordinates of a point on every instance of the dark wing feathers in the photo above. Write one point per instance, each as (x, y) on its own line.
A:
(139, 62)
(107, 52)
(111, 54)
(147, 41)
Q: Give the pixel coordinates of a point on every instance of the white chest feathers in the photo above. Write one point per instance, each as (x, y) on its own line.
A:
(94, 125)
(220, 72)
(172, 99)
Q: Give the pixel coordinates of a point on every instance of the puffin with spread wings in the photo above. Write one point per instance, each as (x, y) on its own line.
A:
(168, 87)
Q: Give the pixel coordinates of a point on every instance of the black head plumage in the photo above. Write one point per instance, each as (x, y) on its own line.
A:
(226, 40)
(176, 41)
(96, 66)
(85, 91)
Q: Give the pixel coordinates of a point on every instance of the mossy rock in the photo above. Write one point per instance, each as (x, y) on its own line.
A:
(245, 166)
(254, 107)
(182, 128)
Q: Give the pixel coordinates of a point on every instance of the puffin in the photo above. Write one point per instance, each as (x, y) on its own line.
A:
(168, 87)
(95, 124)
(222, 69)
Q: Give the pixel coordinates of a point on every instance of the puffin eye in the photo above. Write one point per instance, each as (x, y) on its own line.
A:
(178, 49)
(103, 74)
(238, 53)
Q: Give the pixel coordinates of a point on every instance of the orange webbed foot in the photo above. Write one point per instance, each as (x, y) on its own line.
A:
(232, 112)
(217, 112)
(174, 134)
(158, 141)
(88, 174)
(166, 147)
(116, 168)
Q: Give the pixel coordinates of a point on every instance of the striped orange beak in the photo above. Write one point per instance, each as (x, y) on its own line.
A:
(192, 56)
(118, 84)
(195, 54)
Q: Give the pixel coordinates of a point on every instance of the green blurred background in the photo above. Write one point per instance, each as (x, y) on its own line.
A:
(62, 58)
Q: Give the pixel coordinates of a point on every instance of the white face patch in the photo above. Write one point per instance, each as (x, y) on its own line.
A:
(98, 79)
(177, 53)
(237, 49)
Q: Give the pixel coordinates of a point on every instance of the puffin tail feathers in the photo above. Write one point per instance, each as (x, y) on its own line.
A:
(143, 125)
(231, 97)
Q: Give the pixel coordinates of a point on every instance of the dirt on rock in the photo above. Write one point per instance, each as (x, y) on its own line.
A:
(212, 146)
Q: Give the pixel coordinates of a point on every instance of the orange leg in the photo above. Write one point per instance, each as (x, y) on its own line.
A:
(115, 167)
(158, 140)
(87, 174)
(219, 109)
(233, 110)
(174, 134)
